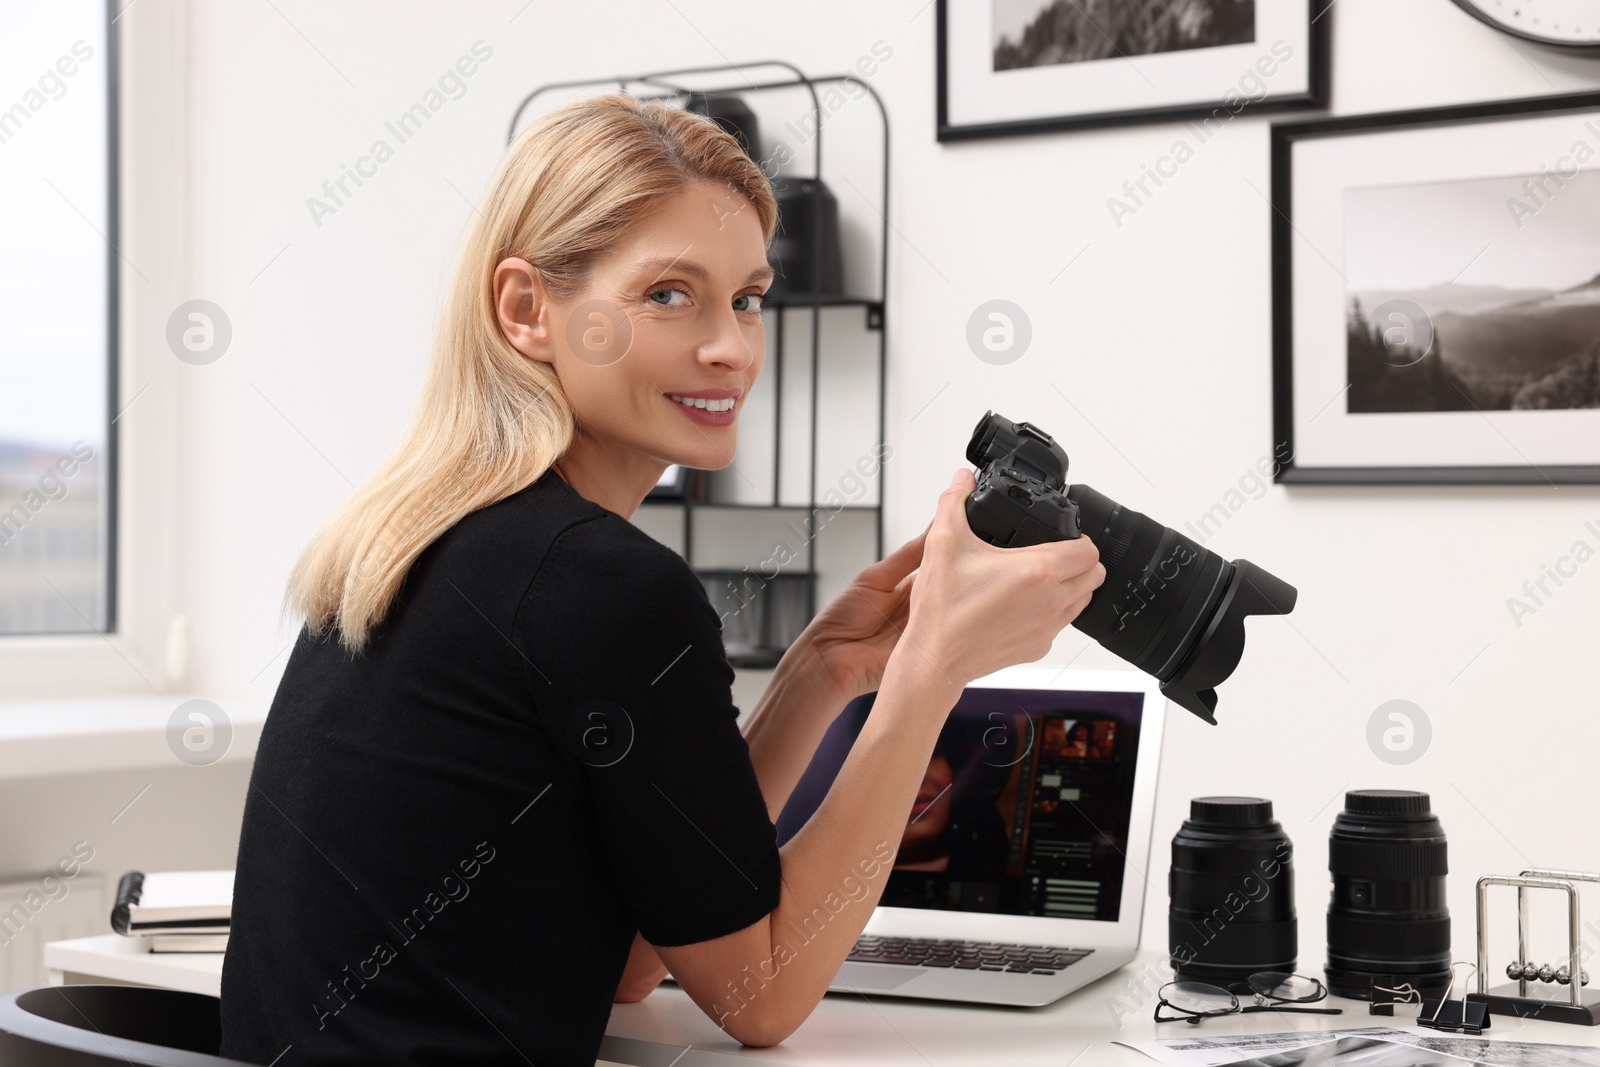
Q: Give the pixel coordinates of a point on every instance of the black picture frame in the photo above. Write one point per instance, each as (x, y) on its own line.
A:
(1283, 138)
(1315, 96)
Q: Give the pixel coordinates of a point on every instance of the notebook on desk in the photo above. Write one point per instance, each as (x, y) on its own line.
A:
(1020, 875)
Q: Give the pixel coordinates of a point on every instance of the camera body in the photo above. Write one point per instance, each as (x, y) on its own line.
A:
(1021, 493)
(1168, 606)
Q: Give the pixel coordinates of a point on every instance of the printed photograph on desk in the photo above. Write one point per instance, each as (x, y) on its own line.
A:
(1497, 1052)
(1366, 1051)
(1023, 809)
(1377, 1046)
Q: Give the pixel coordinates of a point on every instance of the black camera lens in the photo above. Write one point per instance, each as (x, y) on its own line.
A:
(1388, 917)
(1232, 889)
(1169, 606)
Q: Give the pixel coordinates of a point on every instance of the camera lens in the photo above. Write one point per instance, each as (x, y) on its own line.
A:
(1158, 584)
(1388, 916)
(1232, 889)
(1169, 606)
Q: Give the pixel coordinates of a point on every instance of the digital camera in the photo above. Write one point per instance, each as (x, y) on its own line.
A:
(1168, 606)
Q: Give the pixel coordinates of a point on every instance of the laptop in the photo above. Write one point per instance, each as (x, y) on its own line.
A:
(1021, 873)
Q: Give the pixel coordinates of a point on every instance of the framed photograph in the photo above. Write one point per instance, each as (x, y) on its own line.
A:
(1436, 294)
(1026, 66)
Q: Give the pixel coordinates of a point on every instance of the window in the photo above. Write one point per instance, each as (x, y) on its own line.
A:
(58, 273)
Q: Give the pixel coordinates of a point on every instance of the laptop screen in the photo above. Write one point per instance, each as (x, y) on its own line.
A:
(1024, 808)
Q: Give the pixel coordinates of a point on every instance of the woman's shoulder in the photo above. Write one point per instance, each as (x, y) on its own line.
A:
(548, 511)
(613, 554)
(592, 549)
(605, 583)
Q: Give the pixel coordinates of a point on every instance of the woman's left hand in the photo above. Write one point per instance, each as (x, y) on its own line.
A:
(852, 637)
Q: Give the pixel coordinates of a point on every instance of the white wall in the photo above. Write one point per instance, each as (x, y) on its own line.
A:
(1159, 333)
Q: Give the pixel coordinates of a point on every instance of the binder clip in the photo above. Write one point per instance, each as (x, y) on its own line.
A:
(1534, 991)
(1386, 993)
(1454, 1016)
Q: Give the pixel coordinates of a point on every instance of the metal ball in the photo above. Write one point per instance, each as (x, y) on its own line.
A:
(1514, 970)
(1530, 971)
(1563, 975)
(1585, 977)
(1547, 973)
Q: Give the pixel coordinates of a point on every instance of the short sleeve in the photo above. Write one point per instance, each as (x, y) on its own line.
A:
(624, 657)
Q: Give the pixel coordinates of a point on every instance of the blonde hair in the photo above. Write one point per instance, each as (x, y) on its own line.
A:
(491, 421)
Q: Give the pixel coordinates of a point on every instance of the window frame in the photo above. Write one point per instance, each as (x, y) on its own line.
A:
(143, 649)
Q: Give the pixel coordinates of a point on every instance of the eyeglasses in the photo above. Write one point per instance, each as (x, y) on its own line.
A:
(1271, 990)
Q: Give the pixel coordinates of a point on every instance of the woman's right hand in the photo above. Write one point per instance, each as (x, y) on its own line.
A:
(976, 608)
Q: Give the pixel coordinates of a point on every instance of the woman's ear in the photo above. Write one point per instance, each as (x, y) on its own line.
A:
(522, 306)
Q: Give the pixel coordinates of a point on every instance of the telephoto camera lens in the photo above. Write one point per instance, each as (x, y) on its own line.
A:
(1388, 917)
(1232, 888)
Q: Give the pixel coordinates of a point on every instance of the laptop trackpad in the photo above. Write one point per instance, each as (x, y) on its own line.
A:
(877, 976)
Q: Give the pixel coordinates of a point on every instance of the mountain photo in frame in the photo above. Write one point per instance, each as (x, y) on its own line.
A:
(1524, 336)
(1436, 296)
(1010, 67)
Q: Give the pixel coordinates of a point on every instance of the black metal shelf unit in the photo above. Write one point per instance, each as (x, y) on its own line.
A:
(675, 85)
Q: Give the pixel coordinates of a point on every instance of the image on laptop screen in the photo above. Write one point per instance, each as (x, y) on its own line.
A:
(1024, 809)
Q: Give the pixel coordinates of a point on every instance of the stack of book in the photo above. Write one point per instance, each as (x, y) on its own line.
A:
(178, 911)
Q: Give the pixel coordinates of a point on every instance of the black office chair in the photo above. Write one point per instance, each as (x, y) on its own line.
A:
(93, 1025)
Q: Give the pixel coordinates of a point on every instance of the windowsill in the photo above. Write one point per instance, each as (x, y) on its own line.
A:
(41, 738)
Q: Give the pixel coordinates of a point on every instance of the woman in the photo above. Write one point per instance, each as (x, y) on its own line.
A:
(502, 784)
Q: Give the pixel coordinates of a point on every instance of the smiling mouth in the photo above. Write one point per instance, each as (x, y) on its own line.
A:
(702, 403)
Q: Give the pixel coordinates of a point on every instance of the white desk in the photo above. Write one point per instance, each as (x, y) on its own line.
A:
(125, 959)
(855, 1030)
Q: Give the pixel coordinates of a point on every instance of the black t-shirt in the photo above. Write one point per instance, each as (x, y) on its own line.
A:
(450, 841)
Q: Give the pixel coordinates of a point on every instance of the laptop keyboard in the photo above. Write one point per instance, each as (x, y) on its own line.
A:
(965, 955)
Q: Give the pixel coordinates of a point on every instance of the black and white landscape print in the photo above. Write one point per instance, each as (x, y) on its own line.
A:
(1037, 33)
(1506, 274)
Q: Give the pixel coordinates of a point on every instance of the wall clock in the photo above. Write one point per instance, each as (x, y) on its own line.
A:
(1570, 24)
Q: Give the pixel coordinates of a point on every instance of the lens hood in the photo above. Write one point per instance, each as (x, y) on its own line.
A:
(1250, 591)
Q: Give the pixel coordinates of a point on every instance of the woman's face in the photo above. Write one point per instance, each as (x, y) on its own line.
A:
(671, 314)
